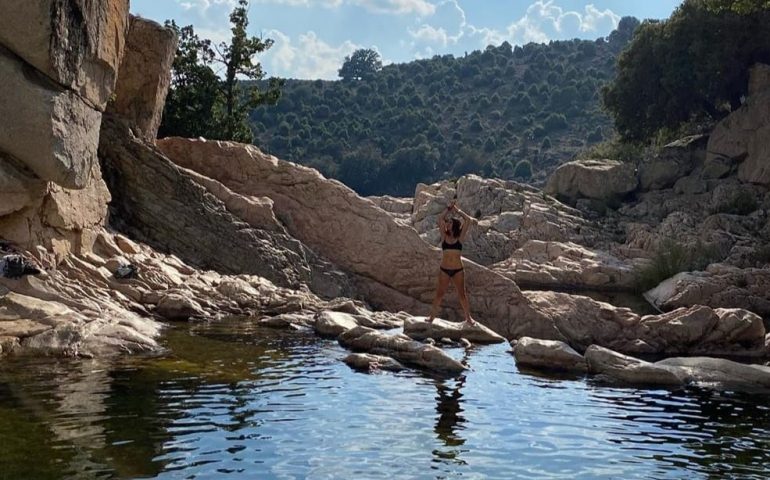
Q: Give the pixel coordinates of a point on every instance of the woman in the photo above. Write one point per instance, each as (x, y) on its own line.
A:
(453, 232)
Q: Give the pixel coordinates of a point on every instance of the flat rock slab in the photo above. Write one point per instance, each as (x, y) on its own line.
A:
(548, 354)
(401, 348)
(719, 372)
(419, 329)
(332, 324)
(619, 367)
(22, 328)
(369, 362)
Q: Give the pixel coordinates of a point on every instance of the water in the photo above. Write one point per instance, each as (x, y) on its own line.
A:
(235, 401)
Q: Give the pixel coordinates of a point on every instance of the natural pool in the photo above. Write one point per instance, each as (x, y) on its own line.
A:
(235, 401)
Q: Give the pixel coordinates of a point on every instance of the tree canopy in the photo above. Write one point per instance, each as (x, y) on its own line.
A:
(363, 63)
(202, 104)
(695, 64)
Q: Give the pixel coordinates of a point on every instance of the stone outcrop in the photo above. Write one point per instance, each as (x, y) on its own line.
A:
(75, 43)
(539, 264)
(145, 75)
(401, 348)
(595, 179)
(547, 355)
(419, 329)
(333, 221)
(744, 136)
(332, 324)
(698, 330)
(619, 367)
(54, 132)
(369, 362)
(17, 188)
(158, 203)
(674, 161)
(719, 286)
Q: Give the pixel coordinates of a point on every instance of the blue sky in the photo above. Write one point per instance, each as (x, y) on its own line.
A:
(312, 37)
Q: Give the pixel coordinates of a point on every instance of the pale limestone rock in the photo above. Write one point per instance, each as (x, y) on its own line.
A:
(627, 369)
(144, 76)
(332, 324)
(419, 329)
(674, 161)
(401, 348)
(76, 43)
(719, 372)
(548, 354)
(597, 179)
(17, 189)
(175, 306)
(52, 131)
(335, 222)
(369, 362)
(566, 265)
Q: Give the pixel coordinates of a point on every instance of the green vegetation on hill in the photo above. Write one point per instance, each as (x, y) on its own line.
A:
(384, 131)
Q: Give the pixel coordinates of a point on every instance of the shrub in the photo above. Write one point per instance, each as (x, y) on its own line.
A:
(523, 170)
(614, 150)
(671, 258)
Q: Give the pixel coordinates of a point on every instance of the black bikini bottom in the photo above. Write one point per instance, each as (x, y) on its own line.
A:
(451, 271)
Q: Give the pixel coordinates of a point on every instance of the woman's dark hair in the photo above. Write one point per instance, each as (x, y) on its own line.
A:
(456, 228)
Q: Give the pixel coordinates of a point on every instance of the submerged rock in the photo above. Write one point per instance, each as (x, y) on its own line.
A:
(419, 329)
(369, 362)
(401, 348)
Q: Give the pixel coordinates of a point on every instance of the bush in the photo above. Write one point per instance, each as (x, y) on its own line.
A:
(742, 203)
(523, 170)
(672, 258)
(613, 150)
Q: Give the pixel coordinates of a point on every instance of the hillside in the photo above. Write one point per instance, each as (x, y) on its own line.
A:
(443, 117)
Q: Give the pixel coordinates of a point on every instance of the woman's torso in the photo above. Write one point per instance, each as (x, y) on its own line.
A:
(451, 257)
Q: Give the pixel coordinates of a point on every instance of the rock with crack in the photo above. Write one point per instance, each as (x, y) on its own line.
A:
(626, 369)
(595, 179)
(419, 329)
(401, 348)
(369, 362)
(548, 355)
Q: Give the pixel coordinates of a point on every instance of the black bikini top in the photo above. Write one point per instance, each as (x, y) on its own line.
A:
(451, 246)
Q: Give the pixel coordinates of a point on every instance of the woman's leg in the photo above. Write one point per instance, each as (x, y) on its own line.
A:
(459, 281)
(441, 288)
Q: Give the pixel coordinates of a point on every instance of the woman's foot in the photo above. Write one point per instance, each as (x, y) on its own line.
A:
(470, 321)
(430, 320)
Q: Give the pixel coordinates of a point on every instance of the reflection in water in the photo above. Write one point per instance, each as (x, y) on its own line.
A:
(232, 401)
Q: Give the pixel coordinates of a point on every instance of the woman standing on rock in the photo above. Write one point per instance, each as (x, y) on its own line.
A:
(453, 232)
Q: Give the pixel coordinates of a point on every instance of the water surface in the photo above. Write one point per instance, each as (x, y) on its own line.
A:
(235, 401)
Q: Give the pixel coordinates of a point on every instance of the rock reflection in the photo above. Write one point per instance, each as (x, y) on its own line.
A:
(450, 421)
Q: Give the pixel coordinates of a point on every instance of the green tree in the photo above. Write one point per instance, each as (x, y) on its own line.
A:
(201, 103)
(523, 170)
(693, 64)
(363, 63)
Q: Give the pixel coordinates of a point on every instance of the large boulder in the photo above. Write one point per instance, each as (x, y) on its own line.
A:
(401, 348)
(744, 135)
(332, 324)
(548, 355)
(595, 179)
(619, 367)
(49, 129)
(144, 77)
(719, 286)
(76, 43)
(719, 373)
(157, 202)
(419, 329)
(394, 265)
(674, 161)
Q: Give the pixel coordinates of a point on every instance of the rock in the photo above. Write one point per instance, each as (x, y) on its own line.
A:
(368, 362)
(77, 210)
(156, 202)
(174, 306)
(548, 354)
(54, 132)
(419, 329)
(623, 368)
(566, 265)
(727, 288)
(289, 320)
(756, 167)
(17, 189)
(396, 270)
(465, 343)
(398, 206)
(332, 324)
(719, 372)
(126, 245)
(144, 76)
(401, 348)
(674, 161)
(76, 43)
(598, 179)
(716, 166)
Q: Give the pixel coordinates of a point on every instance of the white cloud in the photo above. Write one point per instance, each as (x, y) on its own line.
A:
(308, 57)
(445, 27)
(397, 7)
